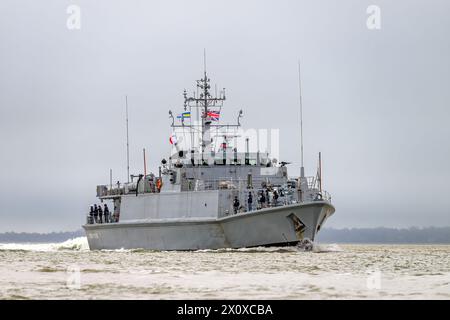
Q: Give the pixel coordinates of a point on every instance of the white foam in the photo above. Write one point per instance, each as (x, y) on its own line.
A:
(332, 247)
(77, 244)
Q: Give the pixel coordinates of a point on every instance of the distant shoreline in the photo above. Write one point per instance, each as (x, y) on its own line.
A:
(368, 236)
(33, 237)
(386, 243)
(382, 235)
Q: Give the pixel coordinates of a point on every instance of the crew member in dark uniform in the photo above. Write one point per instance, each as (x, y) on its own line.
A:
(91, 215)
(236, 204)
(250, 201)
(262, 199)
(275, 197)
(100, 214)
(95, 213)
(106, 212)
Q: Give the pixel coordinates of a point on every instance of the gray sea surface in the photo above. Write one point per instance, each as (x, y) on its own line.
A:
(69, 270)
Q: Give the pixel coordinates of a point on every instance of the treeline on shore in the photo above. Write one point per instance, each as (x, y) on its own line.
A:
(386, 235)
(21, 237)
(327, 235)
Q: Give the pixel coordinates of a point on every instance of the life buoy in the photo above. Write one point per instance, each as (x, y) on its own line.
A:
(158, 184)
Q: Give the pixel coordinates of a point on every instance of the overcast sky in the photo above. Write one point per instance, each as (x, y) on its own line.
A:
(376, 102)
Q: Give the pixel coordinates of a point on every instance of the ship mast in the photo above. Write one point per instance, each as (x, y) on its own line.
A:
(209, 108)
(206, 139)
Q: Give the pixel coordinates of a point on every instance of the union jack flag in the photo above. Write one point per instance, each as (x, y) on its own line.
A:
(214, 115)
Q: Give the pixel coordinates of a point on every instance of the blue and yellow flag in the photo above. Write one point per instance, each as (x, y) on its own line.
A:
(184, 115)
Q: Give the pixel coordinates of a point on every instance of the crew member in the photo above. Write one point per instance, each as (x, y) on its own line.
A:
(250, 201)
(95, 213)
(91, 215)
(262, 199)
(100, 214)
(106, 212)
(116, 213)
(275, 197)
(236, 204)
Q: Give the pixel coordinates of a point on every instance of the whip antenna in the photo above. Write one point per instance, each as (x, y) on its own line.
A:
(302, 168)
(128, 144)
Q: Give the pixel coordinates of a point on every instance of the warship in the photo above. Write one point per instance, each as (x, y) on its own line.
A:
(211, 192)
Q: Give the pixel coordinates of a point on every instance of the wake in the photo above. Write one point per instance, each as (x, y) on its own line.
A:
(75, 244)
(81, 244)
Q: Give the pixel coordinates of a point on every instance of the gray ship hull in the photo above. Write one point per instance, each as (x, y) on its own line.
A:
(285, 225)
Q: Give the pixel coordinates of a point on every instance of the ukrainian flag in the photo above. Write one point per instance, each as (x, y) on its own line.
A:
(184, 115)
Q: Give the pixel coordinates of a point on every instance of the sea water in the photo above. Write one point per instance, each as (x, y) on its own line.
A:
(69, 270)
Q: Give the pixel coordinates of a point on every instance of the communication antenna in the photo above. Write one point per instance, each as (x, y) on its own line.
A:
(302, 168)
(145, 163)
(204, 60)
(320, 172)
(128, 144)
